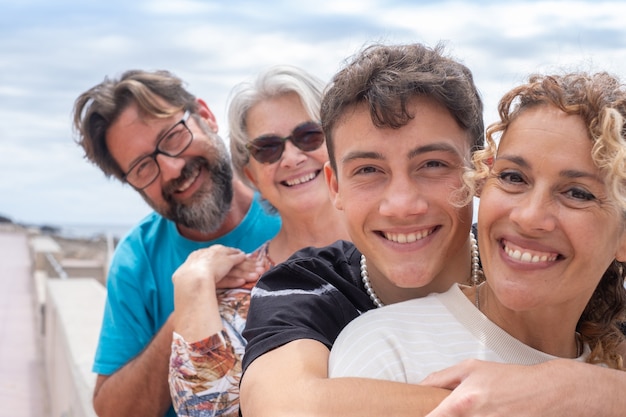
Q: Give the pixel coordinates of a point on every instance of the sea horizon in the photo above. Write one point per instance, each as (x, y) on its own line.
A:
(91, 230)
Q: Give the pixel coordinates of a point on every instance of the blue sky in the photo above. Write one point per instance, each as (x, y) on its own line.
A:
(53, 50)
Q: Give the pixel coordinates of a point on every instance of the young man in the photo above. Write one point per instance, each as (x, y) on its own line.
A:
(400, 124)
(146, 130)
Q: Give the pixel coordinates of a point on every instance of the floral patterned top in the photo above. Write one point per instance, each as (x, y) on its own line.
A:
(204, 376)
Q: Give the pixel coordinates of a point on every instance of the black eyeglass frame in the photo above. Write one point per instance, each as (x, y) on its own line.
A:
(158, 150)
(298, 133)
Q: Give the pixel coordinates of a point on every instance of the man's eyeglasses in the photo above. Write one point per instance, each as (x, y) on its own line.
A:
(174, 142)
(268, 149)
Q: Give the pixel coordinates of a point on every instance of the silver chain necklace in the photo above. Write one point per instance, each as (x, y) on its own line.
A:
(476, 272)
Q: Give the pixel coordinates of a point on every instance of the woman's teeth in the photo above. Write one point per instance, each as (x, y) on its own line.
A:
(528, 256)
(301, 180)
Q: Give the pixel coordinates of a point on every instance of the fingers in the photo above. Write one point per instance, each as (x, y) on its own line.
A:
(248, 271)
(248, 267)
(449, 378)
(469, 396)
(231, 282)
(213, 262)
(218, 267)
(217, 253)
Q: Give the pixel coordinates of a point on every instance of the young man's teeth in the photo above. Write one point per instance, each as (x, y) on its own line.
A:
(301, 180)
(407, 237)
(528, 257)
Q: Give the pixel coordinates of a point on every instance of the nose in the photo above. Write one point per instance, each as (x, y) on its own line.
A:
(292, 156)
(536, 210)
(402, 198)
(170, 166)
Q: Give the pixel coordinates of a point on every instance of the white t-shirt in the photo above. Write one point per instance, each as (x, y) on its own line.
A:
(407, 341)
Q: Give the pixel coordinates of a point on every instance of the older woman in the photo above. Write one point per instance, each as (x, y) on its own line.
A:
(277, 147)
(552, 234)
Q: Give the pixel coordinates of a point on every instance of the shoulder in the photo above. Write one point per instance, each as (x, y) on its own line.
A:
(335, 263)
(255, 228)
(150, 251)
(140, 235)
(335, 255)
(147, 229)
(150, 234)
(401, 308)
(397, 319)
(257, 214)
(328, 275)
(326, 279)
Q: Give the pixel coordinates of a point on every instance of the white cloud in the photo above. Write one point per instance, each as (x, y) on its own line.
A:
(179, 7)
(50, 52)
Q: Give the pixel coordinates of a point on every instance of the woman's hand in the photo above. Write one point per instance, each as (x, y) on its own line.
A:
(196, 311)
(218, 265)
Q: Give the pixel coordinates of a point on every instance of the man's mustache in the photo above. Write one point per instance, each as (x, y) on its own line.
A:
(190, 167)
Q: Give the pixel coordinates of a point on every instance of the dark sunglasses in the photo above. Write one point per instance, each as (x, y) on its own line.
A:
(268, 149)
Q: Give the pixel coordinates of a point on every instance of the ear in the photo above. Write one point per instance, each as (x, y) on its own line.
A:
(333, 186)
(205, 112)
(249, 176)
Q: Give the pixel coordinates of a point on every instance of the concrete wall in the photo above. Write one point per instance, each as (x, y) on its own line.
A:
(78, 268)
(69, 315)
(72, 319)
(46, 254)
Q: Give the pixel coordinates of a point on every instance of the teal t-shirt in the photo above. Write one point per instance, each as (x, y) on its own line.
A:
(140, 293)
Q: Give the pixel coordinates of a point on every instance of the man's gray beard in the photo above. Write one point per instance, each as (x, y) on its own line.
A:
(209, 208)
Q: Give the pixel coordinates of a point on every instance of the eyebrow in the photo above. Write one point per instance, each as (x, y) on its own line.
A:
(572, 173)
(434, 147)
(159, 136)
(420, 150)
(568, 173)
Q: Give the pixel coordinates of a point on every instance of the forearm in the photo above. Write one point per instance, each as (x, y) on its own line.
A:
(140, 387)
(205, 373)
(292, 381)
(370, 397)
(486, 388)
(204, 376)
(197, 316)
(592, 391)
(344, 397)
(196, 305)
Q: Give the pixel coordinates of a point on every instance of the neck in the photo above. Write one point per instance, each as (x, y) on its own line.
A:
(547, 330)
(464, 268)
(319, 229)
(242, 200)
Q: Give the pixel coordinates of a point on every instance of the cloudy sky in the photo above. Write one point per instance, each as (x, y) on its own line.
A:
(53, 50)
